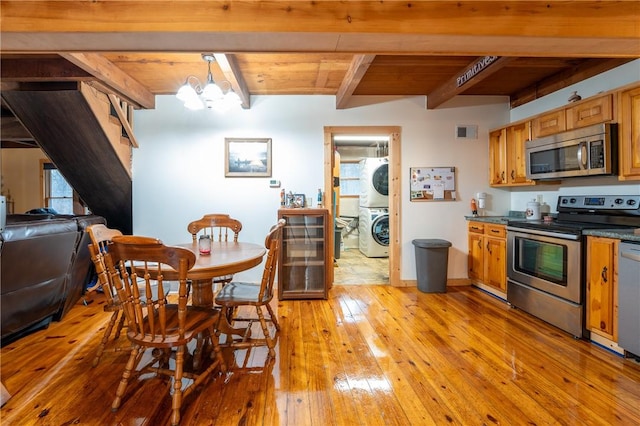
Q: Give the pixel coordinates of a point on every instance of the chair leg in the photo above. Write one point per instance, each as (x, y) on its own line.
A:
(120, 326)
(265, 330)
(105, 338)
(126, 374)
(274, 319)
(176, 401)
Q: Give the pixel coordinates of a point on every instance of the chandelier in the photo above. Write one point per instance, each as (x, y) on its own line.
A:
(211, 96)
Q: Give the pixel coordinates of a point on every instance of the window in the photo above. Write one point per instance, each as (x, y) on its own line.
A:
(349, 179)
(58, 194)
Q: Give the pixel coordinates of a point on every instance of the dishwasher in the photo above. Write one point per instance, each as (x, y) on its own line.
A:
(629, 297)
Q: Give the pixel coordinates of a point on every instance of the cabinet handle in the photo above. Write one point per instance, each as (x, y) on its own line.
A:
(495, 231)
(604, 274)
(513, 174)
(479, 244)
(502, 176)
(488, 248)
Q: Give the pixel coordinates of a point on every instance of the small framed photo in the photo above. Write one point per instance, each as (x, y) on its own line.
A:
(247, 157)
(298, 200)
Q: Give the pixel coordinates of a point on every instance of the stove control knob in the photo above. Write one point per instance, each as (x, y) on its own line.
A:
(619, 201)
(631, 202)
(572, 200)
(564, 201)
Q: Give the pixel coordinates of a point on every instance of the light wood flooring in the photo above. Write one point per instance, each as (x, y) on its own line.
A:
(369, 355)
(354, 268)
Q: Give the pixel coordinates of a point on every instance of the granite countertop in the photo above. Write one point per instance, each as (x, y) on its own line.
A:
(621, 234)
(500, 220)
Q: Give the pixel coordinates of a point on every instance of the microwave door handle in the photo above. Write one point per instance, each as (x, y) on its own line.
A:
(582, 155)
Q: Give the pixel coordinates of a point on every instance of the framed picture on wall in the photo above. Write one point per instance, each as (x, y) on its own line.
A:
(246, 157)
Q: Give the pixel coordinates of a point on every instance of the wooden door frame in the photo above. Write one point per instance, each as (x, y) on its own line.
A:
(394, 187)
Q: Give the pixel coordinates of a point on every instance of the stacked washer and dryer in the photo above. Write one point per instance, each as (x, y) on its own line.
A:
(374, 207)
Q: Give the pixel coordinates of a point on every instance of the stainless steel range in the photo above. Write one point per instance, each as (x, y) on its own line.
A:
(546, 259)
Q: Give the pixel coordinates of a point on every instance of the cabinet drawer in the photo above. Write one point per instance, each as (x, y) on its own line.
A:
(495, 231)
(476, 227)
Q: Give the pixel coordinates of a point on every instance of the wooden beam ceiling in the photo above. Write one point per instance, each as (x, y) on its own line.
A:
(503, 28)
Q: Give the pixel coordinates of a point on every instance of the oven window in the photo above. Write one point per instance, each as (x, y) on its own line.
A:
(547, 261)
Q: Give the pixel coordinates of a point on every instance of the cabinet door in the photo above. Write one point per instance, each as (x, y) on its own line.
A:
(601, 286)
(495, 263)
(548, 124)
(476, 257)
(630, 134)
(516, 138)
(498, 157)
(590, 112)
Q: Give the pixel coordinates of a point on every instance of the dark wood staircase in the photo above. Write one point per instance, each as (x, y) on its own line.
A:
(87, 135)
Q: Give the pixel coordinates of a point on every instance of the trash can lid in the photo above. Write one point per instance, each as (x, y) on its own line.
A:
(430, 243)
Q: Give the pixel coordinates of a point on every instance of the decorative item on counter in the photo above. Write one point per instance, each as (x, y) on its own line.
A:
(574, 97)
(533, 210)
(474, 207)
(289, 202)
(204, 244)
(319, 197)
(282, 200)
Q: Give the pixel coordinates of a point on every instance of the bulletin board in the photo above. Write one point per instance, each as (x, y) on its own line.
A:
(433, 183)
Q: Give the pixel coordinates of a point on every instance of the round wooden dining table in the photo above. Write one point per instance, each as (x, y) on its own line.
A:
(226, 257)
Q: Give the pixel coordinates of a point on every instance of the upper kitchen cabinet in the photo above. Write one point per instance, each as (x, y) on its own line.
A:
(629, 133)
(594, 110)
(507, 165)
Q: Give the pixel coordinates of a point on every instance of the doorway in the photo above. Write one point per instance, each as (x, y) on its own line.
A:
(392, 264)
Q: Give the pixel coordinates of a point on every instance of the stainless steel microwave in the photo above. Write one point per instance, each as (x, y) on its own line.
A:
(588, 151)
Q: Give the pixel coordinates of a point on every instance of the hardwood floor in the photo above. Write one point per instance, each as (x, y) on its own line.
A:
(370, 355)
(354, 268)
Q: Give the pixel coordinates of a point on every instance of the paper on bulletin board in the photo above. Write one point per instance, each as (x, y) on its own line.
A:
(433, 183)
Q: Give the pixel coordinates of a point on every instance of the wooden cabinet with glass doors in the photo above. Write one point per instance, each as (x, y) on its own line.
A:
(303, 268)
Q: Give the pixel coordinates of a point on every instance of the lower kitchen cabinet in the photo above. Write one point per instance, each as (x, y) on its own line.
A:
(602, 287)
(487, 256)
(303, 267)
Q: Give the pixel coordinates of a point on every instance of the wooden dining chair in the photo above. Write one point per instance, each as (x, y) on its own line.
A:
(101, 236)
(236, 294)
(219, 227)
(155, 324)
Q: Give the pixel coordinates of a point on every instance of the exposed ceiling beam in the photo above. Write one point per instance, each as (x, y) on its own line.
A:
(564, 79)
(112, 77)
(474, 73)
(229, 66)
(504, 28)
(359, 66)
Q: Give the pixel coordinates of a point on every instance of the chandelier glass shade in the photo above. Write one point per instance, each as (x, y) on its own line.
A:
(211, 96)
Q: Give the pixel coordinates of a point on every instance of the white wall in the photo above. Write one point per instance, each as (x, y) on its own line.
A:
(178, 171)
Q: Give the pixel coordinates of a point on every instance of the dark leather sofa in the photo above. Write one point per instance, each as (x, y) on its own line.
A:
(44, 267)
